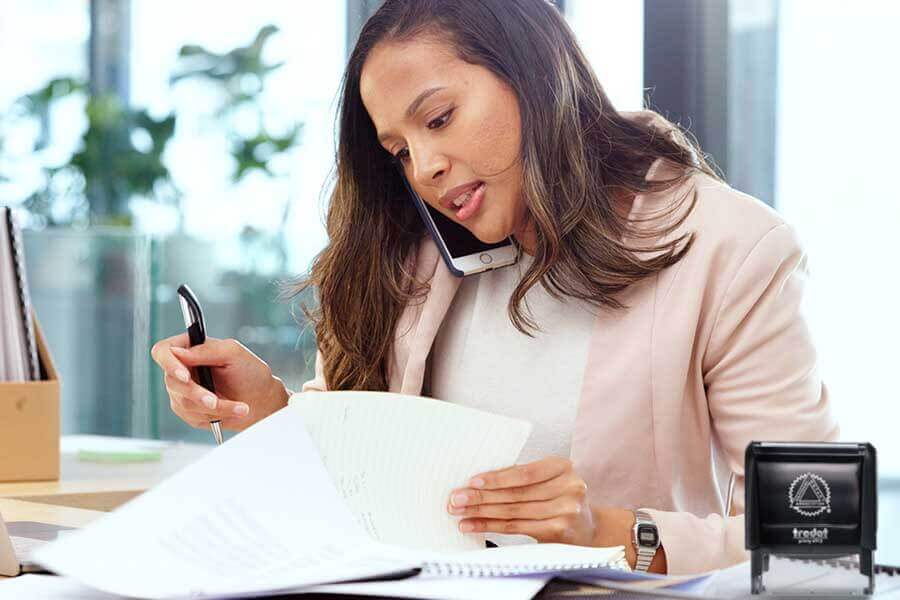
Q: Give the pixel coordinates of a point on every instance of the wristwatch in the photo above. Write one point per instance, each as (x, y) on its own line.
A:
(645, 537)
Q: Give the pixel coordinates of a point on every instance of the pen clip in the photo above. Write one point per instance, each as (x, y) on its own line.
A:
(193, 316)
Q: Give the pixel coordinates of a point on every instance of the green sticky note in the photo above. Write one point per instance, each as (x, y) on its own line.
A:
(120, 456)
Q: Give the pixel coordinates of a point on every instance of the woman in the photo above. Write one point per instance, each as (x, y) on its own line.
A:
(650, 329)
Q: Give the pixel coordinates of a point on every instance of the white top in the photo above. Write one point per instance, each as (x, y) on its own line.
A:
(481, 360)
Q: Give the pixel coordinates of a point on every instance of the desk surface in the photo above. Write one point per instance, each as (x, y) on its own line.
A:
(67, 516)
(27, 510)
(86, 490)
(103, 486)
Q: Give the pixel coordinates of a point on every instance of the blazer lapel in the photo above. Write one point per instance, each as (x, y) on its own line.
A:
(419, 322)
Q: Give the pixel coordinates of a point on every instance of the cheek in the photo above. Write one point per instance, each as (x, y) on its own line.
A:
(494, 156)
(494, 148)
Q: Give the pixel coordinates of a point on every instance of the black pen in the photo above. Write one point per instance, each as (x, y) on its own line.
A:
(196, 328)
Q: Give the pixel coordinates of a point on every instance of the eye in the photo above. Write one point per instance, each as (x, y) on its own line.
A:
(399, 156)
(438, 122)
(441, 120)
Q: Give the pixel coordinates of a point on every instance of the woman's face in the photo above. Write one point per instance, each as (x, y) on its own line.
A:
(450, 124)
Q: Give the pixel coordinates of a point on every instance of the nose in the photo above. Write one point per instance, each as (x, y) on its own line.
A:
(429, 165)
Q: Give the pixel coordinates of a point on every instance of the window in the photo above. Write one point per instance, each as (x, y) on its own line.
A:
(104, 293)
(234, 239)
(835, 159)
(611, 35)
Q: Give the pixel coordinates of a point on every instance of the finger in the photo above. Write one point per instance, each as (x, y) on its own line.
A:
(224, 411)
(544, 530)
(191, 395)
(202, 422)
(567, 484)
(196, 421)
(194, 398)
(518, 475)
(545, 509)
(211, 353)
(168, 362)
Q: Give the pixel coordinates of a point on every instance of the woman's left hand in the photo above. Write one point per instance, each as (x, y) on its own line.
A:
(545, 499)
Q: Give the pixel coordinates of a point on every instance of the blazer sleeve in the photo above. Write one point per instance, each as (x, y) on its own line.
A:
(317, 383)
(762, 383)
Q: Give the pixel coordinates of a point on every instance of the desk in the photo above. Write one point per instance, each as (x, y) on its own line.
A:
(103, 486)
(86, 490)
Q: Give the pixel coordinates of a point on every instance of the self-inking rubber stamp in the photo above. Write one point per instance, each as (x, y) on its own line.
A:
(810, 501)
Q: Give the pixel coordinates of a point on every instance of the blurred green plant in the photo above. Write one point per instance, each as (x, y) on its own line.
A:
(120, 154)
(240, 72)
(240, 75)
(119, 157)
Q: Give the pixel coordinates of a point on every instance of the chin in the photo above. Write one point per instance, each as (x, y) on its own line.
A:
(489, 235)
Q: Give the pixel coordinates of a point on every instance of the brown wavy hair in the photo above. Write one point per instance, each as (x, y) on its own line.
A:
(577, 152)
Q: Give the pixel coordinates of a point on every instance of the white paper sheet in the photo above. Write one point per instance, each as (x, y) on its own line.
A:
(49, 587)
(443, 588)
(396, 458)
(258, 513)
(793, 577)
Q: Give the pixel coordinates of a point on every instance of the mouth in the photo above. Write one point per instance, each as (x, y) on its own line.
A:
(452, 196)
(467, 204)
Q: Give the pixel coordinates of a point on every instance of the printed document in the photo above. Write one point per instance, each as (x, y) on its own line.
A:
(258, 513)
(262, 512)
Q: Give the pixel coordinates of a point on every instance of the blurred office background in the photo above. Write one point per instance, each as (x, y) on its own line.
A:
(151, 143)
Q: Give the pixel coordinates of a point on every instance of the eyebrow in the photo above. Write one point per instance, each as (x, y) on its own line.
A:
(413, 107)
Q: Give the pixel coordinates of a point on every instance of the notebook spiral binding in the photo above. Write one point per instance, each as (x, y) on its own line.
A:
(452, 569)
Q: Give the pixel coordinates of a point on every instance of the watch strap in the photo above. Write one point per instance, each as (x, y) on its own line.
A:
(644, 558)
(645, 554)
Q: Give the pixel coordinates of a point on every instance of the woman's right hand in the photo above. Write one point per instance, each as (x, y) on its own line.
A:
(246, 390)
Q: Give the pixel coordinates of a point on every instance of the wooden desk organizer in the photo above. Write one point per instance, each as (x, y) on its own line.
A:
(29, 423)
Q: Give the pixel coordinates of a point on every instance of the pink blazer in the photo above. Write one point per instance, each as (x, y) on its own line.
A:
(711, 353)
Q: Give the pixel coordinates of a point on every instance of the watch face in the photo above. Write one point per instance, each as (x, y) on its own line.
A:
(647, 536)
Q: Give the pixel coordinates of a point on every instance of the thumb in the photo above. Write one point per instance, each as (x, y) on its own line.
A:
(211, 353)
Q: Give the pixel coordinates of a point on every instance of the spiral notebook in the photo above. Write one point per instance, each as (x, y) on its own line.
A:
(526, 559)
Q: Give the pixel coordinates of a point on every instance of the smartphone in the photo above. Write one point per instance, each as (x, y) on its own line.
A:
(463, 253)
(196, 329)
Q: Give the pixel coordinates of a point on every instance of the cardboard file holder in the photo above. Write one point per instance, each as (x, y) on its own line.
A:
(29, 423)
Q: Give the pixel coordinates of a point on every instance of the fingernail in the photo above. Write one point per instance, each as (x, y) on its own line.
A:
(465, 526)
(458, 500)
(241, 409)
(210, 401)
(477, 482)
(457, 510)
(183, 375)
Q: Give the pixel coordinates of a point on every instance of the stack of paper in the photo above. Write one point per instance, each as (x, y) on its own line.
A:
(50, 587)
(336, 486)
(18, 346)
(258, 513)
